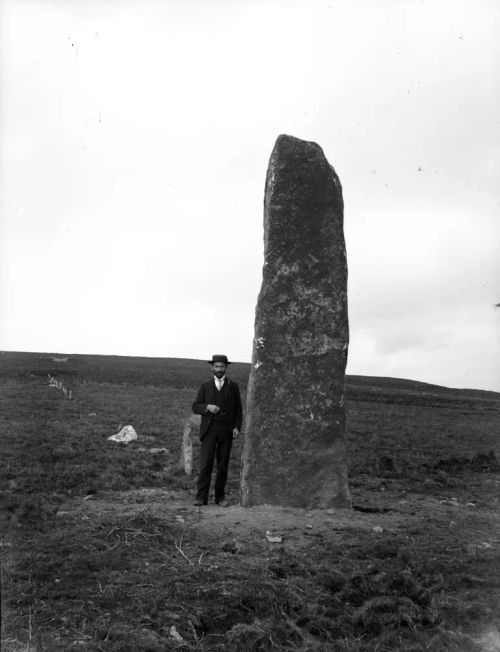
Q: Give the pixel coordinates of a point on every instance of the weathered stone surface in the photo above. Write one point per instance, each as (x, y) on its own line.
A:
(294, 451)
(191, 423)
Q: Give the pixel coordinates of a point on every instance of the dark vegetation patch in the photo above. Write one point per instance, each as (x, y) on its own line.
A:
(115, 582)
(486, 462)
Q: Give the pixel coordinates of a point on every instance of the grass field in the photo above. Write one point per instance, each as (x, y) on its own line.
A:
(102, 548)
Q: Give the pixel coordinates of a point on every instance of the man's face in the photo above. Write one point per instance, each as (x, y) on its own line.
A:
(219, 369)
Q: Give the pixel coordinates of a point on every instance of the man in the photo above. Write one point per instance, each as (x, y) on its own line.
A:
(219, 403)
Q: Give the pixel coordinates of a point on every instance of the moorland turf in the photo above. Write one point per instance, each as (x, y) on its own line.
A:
(102, 548)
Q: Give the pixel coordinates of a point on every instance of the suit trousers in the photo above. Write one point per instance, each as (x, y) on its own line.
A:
(216, 444)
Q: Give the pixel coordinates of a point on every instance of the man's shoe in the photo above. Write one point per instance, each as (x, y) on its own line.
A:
(199, 503)
(222, 503)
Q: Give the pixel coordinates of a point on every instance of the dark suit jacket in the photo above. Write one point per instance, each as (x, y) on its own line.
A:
(207, 394)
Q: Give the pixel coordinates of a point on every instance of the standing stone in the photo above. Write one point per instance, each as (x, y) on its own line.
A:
(294, 452)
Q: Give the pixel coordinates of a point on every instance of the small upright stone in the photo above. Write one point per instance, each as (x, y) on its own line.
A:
(294, 452)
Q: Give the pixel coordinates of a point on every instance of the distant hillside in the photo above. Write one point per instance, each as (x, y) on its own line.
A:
(184, 372)
(402, 384)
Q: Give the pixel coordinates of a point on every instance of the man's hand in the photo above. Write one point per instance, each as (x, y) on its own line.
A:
(236, 433)
(213, 409)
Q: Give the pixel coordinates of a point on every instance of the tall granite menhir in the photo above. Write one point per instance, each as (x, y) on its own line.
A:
(295, 452)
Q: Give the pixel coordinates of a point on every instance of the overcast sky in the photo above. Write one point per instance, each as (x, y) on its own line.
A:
(134, 143)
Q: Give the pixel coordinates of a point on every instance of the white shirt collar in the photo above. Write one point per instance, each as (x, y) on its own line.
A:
(219, 381)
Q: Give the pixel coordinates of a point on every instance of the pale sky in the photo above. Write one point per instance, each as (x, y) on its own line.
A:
(134, 143)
